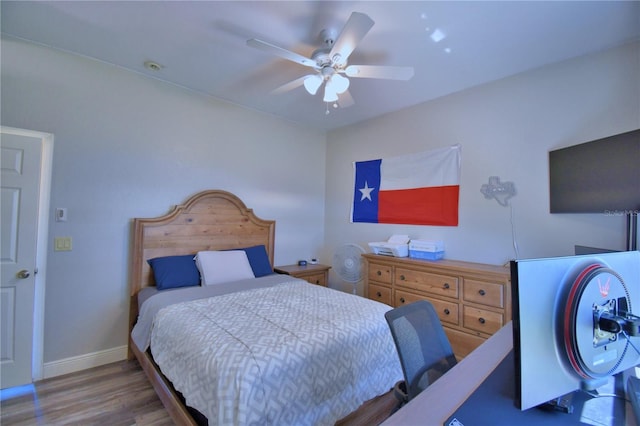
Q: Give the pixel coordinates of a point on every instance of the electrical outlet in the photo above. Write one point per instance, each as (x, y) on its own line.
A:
(62, 244)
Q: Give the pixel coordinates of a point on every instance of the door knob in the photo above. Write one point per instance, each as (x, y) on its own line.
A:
(23, 274)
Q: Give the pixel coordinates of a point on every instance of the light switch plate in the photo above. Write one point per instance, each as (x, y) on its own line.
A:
(62, 244)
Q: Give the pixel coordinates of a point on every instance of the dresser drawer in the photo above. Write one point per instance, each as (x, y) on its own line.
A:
(380, 294)
(441, 285)
(482, 320)
(485, 293)
(381, 273)
(462, 343)
(447, 311)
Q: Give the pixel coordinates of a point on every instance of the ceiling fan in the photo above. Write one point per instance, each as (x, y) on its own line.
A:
(330, 62)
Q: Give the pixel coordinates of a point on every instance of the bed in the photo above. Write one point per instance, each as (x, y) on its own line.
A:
(261, 349)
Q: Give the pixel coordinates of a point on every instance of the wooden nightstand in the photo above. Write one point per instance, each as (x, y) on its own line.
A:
(315, 274)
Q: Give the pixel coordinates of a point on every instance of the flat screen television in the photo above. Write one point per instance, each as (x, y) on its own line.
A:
(575, 323)
(600, 176)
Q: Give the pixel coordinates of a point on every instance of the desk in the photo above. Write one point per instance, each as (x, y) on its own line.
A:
(436, 404)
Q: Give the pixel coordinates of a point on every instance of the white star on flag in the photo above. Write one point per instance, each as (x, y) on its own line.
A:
(366, 191)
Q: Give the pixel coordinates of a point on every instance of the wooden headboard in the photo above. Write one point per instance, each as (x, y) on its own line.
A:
(209, 220)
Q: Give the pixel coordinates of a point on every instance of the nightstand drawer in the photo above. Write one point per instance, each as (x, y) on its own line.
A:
(313, 273)
(319, 279)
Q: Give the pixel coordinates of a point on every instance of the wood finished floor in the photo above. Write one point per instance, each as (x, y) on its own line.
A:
(118, 394)
(114, 394)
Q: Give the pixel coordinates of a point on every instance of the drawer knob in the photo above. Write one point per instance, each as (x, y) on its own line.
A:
(379, 273)
(481, 320)
(446, 312)
(317, 281)
(446, 286)
(379, 294)
(482, 292)
(402, 278)
(402, 300)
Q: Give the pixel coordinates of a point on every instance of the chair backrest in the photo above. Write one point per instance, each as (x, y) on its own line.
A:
(423, 347)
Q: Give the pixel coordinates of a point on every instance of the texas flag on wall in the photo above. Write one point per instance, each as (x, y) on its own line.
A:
(416, 189)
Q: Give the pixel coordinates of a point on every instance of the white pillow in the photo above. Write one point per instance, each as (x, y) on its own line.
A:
(223, 266)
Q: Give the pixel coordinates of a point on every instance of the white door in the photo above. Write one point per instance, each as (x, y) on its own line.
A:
(20, 157)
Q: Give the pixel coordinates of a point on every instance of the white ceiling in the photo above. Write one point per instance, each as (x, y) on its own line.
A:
(201, 45)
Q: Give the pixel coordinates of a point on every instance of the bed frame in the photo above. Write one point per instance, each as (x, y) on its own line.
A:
(209, 220)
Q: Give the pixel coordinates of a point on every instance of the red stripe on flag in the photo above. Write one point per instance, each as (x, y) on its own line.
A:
(436, 205)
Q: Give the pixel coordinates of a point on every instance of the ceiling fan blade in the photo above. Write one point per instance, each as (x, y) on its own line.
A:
(379, 71)
(283, 53)
(289, 86)
(353, 32)
(345, 99)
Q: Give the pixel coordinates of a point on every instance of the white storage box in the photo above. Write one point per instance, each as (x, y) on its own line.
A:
(429, 250)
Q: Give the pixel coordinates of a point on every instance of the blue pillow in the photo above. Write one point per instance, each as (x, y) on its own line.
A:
(174, 271)
(259, 260)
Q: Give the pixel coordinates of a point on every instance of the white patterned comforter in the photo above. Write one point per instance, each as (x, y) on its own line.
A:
(290, 354)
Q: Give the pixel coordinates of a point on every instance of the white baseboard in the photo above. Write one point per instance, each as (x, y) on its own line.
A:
(82, 362)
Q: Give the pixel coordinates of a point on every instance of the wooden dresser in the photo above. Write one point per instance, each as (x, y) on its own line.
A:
(313, 273)
(473, 300)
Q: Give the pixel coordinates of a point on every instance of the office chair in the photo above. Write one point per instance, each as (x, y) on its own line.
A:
(423, 347)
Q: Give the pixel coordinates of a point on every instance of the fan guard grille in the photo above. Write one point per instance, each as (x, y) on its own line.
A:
(347, 262)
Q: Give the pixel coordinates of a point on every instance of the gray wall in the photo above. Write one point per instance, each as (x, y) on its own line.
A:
(505, 128)
(128, 146)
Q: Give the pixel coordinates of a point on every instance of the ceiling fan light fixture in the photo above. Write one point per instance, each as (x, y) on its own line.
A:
(312, 83)
(330, 94)
(339, 83)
